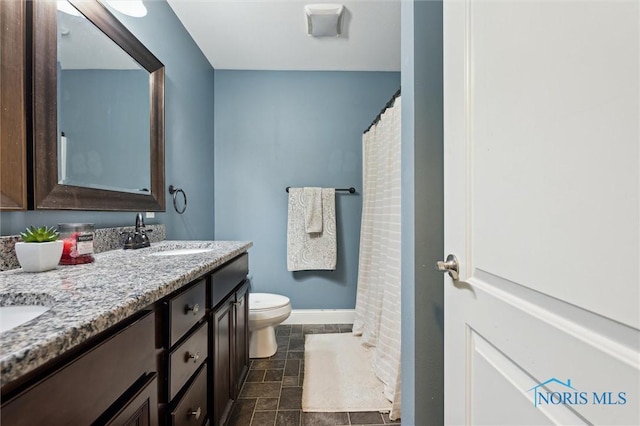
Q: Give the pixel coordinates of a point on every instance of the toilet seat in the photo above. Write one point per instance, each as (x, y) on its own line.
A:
(260, 302)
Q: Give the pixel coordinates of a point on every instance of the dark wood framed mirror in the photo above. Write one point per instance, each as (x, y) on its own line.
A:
(50, 190)
(13, 131)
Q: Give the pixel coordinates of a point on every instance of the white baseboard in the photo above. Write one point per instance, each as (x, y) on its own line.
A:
(321, 316)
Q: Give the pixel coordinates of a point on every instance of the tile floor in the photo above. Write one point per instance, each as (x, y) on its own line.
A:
(272, 393)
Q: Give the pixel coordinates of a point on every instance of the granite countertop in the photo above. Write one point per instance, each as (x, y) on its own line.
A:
(87, 299)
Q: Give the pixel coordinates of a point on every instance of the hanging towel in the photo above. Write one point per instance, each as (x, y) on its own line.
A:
(315, 251)
(312, 210)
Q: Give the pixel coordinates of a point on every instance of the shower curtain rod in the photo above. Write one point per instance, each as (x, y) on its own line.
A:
(351, 190)
(386, 107)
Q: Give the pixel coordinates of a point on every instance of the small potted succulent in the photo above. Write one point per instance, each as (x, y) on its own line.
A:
(40, 249)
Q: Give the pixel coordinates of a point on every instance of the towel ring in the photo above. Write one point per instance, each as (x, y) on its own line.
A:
(175, 191)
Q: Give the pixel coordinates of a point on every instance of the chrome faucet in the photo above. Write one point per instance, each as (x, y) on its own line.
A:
(138, 238)
(139, 222)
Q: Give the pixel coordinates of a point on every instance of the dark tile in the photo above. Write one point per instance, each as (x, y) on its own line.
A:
(242, 412)
(263, 418)
(366, 418)
(283, 330)
(295, 355)
(273, 376)
(312, 329)
(325, 419)
(266, 364)
(267, 404)
(288, 418)
(272, 393)
(282, 348)
(290, 399)
(290, 381)
(255, 375)
(280, 353)
(263, 389)
(292, 367)
(346, 328)
(296, 344)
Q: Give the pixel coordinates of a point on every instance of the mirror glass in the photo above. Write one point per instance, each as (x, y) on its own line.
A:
(103, 110)
(98, 112)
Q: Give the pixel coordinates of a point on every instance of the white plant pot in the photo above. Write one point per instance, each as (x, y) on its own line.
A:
(39, 257)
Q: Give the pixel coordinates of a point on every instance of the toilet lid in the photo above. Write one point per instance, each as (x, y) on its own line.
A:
(265, 301)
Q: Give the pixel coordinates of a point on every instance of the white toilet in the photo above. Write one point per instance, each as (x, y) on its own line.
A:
(266, 311)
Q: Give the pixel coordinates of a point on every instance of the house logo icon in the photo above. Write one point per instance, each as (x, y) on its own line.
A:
(557, 392)
(539, 396)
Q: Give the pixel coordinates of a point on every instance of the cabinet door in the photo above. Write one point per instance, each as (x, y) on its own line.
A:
(13, 136)
(221, 385)
(141, 409)
(241, 338)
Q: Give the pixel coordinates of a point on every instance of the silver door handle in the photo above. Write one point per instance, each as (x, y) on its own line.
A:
(450, 266)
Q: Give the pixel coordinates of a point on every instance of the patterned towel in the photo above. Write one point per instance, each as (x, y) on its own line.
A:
(312, 210)
(314, 251)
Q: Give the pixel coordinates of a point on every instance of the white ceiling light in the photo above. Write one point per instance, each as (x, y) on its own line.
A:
(65, 6)
(133, 8)
(324, 20)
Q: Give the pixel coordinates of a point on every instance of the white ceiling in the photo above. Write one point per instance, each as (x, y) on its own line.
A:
(271, 35)
(83, 46)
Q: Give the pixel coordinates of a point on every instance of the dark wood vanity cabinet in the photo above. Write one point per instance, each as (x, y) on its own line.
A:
(230, 349)
(207, 342)
(229, 330)
(181, 361)
(141, 409)
(241, 337)
(221, 346)
(185, 366)
(109, 381)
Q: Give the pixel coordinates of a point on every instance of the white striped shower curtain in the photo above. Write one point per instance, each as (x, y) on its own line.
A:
(377, 316)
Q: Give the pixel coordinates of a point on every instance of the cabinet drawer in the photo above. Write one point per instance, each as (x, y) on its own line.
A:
(225, 279)
(185, 310)
(192, 408)
(81, 390)
(186, 358)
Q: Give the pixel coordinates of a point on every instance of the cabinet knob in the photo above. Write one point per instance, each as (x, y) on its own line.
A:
(189, 356)
(237, 303)
(195, 413)
(195, 308)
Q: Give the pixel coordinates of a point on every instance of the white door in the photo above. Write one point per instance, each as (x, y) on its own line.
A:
(542, 200)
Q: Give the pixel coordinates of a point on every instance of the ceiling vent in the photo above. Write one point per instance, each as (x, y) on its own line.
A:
(324, 20)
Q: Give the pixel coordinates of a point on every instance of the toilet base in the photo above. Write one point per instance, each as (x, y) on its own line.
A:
(262, 342)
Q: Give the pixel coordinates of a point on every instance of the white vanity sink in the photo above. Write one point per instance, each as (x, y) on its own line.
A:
(182, 252)
(13, 316)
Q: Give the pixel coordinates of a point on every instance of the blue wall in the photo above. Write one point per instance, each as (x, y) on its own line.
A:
(105, 117)
(188, 133)
(422, 213)
(278, 129)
